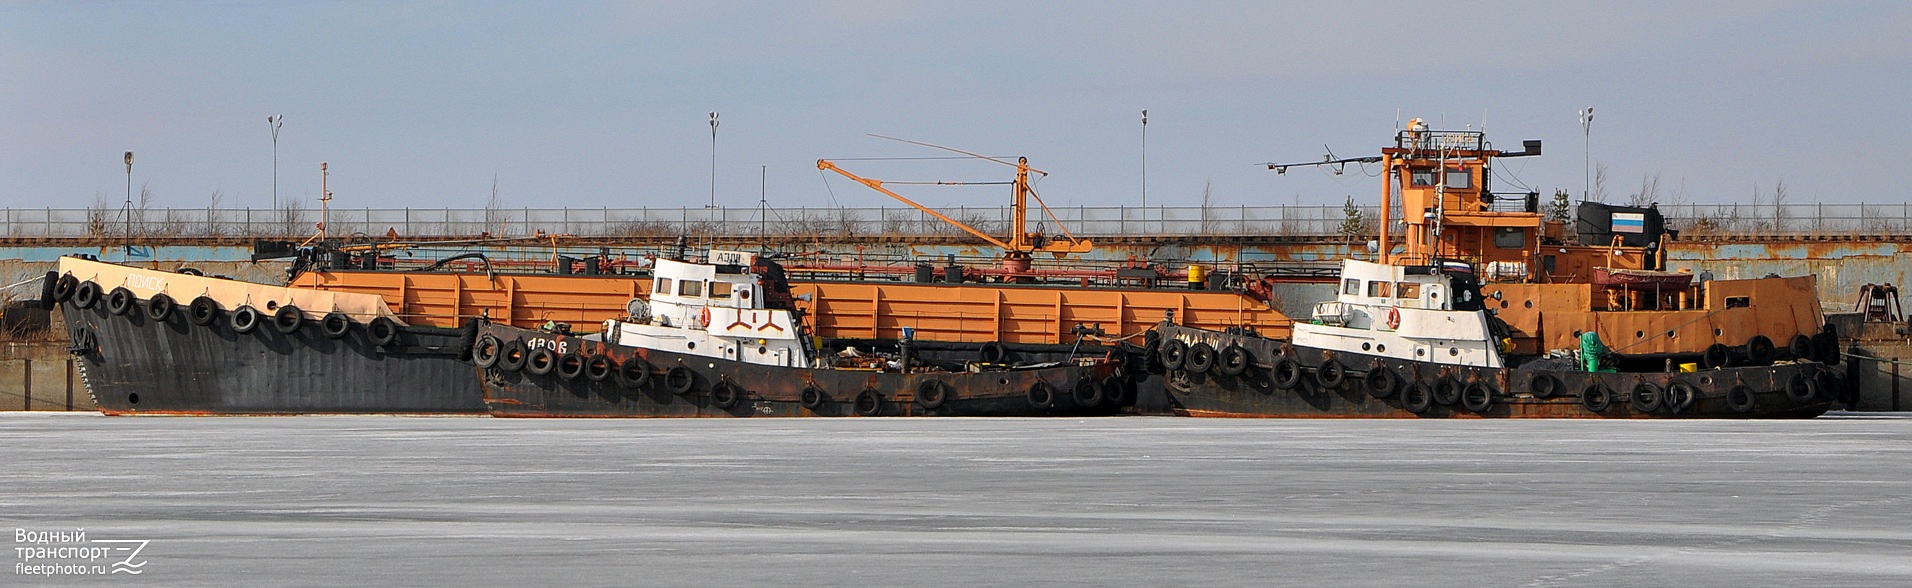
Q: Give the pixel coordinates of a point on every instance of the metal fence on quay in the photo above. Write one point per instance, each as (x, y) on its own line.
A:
(1286, 220)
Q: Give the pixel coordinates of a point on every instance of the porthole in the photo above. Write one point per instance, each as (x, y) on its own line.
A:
(1503, 304)
(1381, 348)
(1529, 303)
(1420, 352)
(1639, 334)
(1672, 335)
(690, 344)
(762, 350)
(1453, 351)
(1365, 346)
(1717, 332)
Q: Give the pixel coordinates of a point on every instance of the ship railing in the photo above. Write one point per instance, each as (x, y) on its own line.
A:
(1294, 220)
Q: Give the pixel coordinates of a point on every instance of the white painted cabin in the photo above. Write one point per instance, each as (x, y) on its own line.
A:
(1418, 301)
(713, 309)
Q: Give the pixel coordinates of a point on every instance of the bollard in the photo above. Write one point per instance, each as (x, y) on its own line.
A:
(26, 382)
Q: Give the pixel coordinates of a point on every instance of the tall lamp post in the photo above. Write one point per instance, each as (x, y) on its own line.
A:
(713, 161)
(1586, 160)
(275, 121)
(126, 213)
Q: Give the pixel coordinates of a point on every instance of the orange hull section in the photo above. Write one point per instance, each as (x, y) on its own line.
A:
(940, 312)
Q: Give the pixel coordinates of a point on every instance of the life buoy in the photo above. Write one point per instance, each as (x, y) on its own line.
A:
(703, 317)
(1394, 317)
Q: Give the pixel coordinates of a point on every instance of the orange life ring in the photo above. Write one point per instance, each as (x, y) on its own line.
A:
(1394, 317)
(705, 316)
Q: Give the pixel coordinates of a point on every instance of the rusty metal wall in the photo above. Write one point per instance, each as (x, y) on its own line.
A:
(1841, 266)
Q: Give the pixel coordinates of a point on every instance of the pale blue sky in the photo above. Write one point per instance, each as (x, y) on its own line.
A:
(593, 104)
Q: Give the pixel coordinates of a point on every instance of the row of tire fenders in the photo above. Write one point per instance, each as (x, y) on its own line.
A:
(635, 373)
(1477, 396)
(204, 311)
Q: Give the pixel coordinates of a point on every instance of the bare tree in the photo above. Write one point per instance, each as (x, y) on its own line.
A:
(1649, 191)
(1779, 205)
(1599, 183)
(495, 215)
(215, 219)
(97, 215)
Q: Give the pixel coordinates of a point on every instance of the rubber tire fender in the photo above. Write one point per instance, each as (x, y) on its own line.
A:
(1828, 341)
(1086, 394)
(1759, 350)
(868, 403)
(86, 294)
(160, 307)
(1646, 397)
(1740, 399)
(599, 367)
(1802, 347)
(1331, 375)
(336, 325)
(121, 301)
(1173, 353)
(1716, 356)
(1418, 398)
(1201, 357)
(1477, 397)
(811, 397)
(725, 395)
(1447, 391)
(1381, 381)
(633, 373)
(63, 288)
(47, 286)
(512, 356)
(1235, 360)
(383, 331)
(1596, 398)
(287, 319)
(1041, 394)
(203, 311)
(541, 361)
(1287, 373)
(931, 394)
(484, 354)
(244, 319)
(680, 380)
(569, 365)
(1801, 389)
(992, 352)
(1680, 396)
(1543, 385)
(1115, 390)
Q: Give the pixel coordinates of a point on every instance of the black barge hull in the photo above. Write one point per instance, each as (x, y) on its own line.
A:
(134, 365)
(678, 385)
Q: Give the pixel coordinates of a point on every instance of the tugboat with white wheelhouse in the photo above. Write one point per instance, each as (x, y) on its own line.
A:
(723, 338)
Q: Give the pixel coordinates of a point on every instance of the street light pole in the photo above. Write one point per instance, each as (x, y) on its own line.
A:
(275, 121)
(713, 161)
(126, 214)
(1586, 159)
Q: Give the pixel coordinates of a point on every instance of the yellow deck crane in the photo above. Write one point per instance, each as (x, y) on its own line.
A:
(1021, 242)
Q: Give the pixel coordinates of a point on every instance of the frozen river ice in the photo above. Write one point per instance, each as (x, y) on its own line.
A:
(388, 501)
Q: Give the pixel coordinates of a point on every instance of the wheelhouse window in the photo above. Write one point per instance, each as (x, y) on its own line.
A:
(1378, 289)
(1410, 290)
(1510, 237)
(1351, 287)
(1459, 178)
(690, 288)
(1739, 301)
(1423, 177)
(663, 286)
(720, 289)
